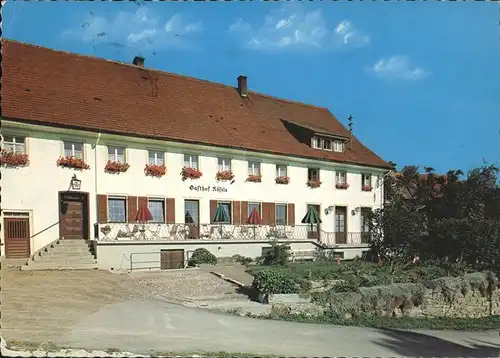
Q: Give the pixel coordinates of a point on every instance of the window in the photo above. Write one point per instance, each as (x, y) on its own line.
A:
(116, 154)
(156, 158)
(326, 144)
(338, 146)
(313, 174)
(226, 206)
(366, 180)
(253, 168)
(316, 143)
(157, 208)
(365, 220)
(14, 144)
(117, 210)
(224, 165)
(340, 177)
(191, 161)
(281, 214)
(72, 149)
(281, 170)
(252, 206)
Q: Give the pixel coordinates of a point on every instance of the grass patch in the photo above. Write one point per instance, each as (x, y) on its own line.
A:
(451, 324)
(211, 354)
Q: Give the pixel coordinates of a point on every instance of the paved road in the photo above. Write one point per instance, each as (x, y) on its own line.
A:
(143, 325)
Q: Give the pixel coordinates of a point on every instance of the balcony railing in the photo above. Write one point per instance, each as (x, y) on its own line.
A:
(180, 232)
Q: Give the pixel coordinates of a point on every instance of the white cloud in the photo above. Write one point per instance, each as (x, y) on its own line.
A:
(139, 30)
(398, 67)
(286, 28)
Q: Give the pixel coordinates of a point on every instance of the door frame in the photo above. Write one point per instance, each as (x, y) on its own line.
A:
(84, 199)
(346, 218)
(4, 232)
(318, 226)
(196, 227)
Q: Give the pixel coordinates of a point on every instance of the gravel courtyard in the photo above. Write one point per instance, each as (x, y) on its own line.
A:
(38, 306)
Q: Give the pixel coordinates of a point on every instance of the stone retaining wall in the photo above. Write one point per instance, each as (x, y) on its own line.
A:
(470, 305)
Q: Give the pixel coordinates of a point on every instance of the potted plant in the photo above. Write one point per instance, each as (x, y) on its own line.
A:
(282, 180)
(342, 185)
(190, 173)
(226, 175)
(72, 162)
(366, 188)
(12, 159)
(155, 170)
(116, 167)
(254, 178)
(313, 184)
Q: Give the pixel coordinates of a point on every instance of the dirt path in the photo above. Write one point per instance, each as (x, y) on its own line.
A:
(37, 306)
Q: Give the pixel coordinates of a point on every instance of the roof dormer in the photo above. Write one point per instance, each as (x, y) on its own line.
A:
(328, 143)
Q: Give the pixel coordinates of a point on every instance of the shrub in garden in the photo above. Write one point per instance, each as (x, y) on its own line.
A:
(242, 259)
(279, 254)
(274, 281)
(202, 256)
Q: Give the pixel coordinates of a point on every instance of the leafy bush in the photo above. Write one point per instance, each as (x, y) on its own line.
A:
(202, 256)
(242, 259)
(279, 254)
(274, 281)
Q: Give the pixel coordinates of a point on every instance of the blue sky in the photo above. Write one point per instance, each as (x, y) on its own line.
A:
(421, 79)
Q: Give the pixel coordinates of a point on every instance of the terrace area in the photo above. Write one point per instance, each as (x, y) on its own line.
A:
(227, 232)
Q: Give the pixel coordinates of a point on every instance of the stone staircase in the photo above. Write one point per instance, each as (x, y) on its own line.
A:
(63, 255)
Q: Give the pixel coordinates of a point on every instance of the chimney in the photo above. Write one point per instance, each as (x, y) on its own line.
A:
(242, 86)
(138, 61)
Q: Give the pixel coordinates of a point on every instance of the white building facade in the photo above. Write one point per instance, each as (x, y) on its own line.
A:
(83, 196)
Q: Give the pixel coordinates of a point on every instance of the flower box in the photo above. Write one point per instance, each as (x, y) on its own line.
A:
(313, 184)
(72, 162)
(254, 178)
(12, 159)
(116, 167)
(282, 180)
(155, 170)
(226, 175)
(190, 173)
(342, 186)
(366, 188)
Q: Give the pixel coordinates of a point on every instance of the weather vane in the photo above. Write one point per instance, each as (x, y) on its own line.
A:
(350, 123)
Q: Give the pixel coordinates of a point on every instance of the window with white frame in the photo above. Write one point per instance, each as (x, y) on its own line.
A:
(156, 158)
(191, 161)
(117, 210)
(252, 206)
(313, 174)
(326, 144)
(316, 142)
(365, 219)
(224, 165)
(14, 144)
(281, 171)
(226, 206)
(281, 214)
(340, 177)
(253, 168)
(338, 146)
(73, 149)
(157, 209)
(116, 154)
(366, 180)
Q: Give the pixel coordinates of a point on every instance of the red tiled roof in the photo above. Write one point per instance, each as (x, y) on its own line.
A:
(57, 88)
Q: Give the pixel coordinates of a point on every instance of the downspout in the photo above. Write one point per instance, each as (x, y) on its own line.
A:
(95, 181)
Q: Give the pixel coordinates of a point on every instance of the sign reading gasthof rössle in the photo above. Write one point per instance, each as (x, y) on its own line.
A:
(208, 188)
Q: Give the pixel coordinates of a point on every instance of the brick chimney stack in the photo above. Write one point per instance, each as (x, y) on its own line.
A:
(242, 86)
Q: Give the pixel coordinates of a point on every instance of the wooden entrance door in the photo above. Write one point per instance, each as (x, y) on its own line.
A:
(314, 230)
(171, 259)
(73, 216)
(17, 238)
(340, 225)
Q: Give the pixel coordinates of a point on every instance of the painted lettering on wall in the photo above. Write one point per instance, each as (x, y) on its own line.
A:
(208, 188)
